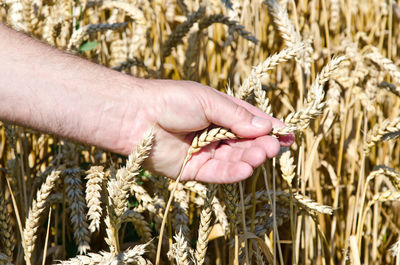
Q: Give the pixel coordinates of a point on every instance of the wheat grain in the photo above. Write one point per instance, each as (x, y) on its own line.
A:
(77, 205)
(36, 210)
(94, 182)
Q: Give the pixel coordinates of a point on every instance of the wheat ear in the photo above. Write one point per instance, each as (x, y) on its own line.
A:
(7, 237)
(287, 167)
(388, 129)
(181, 210)
(179, 250)
(289, 34)
(205, 225)
(141, 226)
(119, 187)
(78, 35)
(36, 210)
(386, 64)
(218, 209)
(94, 182)
(77, 205)
(232, 24)
(180, 31)
(129, 256)
(207, 137)
(384, 197)
(314, 106)
(250, 83)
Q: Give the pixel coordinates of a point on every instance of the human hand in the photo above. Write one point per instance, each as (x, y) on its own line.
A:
(179, 109)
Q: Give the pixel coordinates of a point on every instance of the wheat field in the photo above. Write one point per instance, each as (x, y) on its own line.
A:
(329, 69)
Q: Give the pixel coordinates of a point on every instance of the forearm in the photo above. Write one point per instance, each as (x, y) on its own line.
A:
(55, 92)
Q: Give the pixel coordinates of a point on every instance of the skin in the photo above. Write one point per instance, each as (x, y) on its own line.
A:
(58, 93)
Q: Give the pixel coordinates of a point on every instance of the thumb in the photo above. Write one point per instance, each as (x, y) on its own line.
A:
(221, 111)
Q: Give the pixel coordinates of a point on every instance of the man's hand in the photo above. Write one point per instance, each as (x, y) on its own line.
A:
(179, 109)
(48, 90)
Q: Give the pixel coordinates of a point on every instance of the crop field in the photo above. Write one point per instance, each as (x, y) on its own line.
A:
(328, 68)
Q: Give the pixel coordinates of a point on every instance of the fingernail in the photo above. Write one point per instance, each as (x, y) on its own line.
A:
(259, 122)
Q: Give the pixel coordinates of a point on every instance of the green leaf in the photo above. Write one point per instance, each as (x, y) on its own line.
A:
(88, 46)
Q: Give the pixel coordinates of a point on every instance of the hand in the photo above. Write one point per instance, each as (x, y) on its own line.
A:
(179, 109)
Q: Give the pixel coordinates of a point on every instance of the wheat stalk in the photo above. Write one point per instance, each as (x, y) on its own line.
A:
(94, 182)
(77, 205)
(36, 210)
